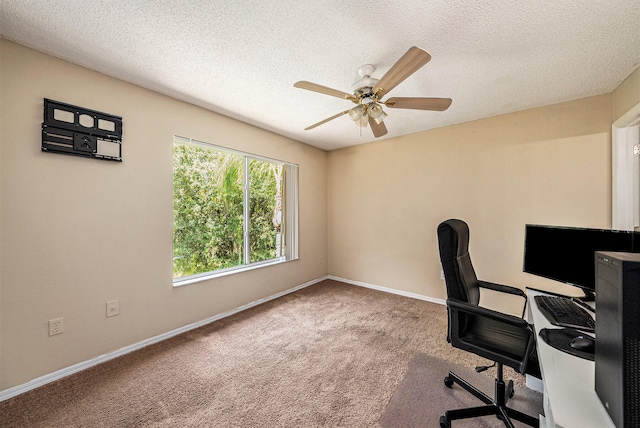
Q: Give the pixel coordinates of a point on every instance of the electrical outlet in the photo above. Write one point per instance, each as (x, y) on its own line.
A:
(113, 308)
(56, 326)
(441, 274)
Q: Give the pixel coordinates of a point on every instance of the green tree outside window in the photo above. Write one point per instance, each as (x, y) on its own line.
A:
(209, 197)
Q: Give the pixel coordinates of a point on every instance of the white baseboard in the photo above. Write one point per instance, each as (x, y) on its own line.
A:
(389, 290)
(67, 371)
(59, 374)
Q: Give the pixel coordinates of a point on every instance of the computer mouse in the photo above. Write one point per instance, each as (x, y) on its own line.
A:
(583, 343)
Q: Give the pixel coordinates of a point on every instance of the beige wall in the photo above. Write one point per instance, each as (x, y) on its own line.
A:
(549, 165)
(78, 232)
(627, 95)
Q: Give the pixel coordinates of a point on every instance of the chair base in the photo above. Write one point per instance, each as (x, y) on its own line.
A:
(496, 406)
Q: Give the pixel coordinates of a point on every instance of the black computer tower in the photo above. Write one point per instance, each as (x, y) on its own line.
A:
(617, 352)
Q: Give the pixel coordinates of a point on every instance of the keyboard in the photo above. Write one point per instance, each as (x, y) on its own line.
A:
(561, 311)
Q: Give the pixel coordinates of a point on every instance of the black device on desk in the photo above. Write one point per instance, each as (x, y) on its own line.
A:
(563, 312)
(617, 368)
(606, 265)
(574, 320)
(571, 341)
(566, 254)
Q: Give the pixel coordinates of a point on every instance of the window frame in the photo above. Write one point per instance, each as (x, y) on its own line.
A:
(290, 225)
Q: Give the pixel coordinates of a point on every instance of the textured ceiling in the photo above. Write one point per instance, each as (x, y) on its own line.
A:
(241, 58)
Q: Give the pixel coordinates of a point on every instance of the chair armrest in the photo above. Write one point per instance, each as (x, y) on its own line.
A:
(487, 313)
(505, 289)
(502, 288)
(497, 334)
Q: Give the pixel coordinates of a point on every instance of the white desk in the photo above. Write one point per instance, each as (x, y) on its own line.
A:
(570, 399)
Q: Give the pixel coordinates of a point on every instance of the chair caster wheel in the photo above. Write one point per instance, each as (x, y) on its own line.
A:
(448, 382)
(444, 423)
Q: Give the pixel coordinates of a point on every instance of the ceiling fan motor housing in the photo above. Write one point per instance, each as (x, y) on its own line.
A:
(366, 81)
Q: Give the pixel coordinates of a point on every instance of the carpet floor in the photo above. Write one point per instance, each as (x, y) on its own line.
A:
(421, 398)
(332, 354)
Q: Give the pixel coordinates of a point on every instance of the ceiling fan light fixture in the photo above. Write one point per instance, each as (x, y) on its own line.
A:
(364, 120)
(380, 118)
(376, 113)
(375, 110)
(356, 113)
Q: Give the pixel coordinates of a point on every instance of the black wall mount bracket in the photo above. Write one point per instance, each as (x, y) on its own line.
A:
(78, 131)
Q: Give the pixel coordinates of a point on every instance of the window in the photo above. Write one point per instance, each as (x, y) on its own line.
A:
(231, 211)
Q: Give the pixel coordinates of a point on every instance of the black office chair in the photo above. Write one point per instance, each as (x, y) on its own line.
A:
(502, 338)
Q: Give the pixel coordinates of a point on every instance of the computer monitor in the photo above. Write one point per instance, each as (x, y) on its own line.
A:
(567, 254)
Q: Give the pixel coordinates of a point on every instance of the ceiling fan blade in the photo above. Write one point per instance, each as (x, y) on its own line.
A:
(324, 90)
(379, 129)
(408, 64)
(417, 103)
(322, 122)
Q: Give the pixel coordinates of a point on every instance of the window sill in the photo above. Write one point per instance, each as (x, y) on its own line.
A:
(179, 282)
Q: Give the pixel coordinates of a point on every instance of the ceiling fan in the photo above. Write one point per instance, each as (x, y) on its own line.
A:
(368, 93)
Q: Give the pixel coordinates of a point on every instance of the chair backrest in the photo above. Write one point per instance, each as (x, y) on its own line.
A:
(502, 341)
(459, 276)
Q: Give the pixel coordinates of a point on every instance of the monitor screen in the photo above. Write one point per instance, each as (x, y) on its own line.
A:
(567, 254)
